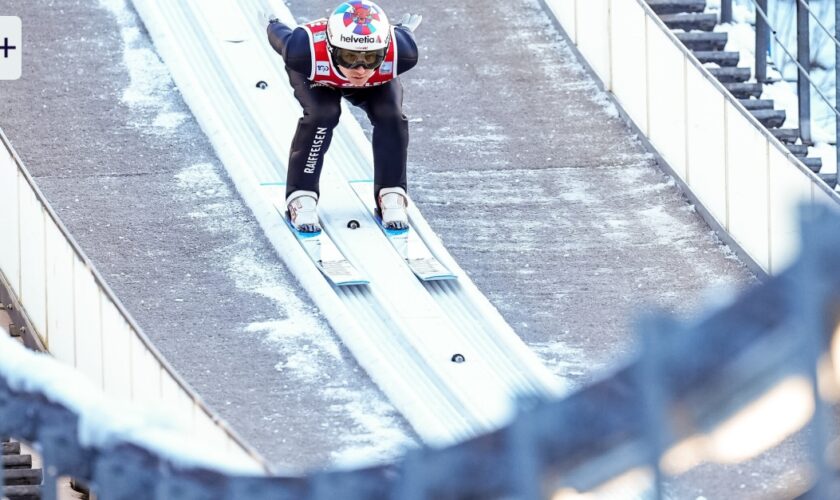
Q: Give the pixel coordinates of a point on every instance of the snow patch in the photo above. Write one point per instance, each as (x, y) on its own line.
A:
(120, 10)
(602, 99)
(741, 39)
(783, 94)
(102, 422)
(150, 83)
(449, 135)
(170, 120)
(565, 362)
(828, 154)
(668, 229)
(203, 181)
(381, 442)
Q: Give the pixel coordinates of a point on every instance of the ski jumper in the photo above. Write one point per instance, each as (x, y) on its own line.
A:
(319, 86)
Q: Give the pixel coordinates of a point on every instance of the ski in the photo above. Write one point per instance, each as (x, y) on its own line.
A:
(406, 242)
(320, 247)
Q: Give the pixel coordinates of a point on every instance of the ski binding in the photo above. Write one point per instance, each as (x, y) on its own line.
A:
(321, 248)
(406, 242)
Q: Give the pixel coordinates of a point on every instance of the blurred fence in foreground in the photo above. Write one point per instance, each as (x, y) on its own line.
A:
(722, 388)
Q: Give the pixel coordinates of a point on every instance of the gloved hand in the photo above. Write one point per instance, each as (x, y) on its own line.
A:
(410, 21)
(266, 17)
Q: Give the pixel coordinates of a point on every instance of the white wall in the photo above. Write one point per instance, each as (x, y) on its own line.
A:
(745, 178)
(76, 317)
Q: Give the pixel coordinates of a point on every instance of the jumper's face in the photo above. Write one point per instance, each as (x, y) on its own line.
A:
(357, 76)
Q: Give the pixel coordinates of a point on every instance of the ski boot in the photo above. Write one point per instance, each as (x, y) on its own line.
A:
(393, 203)
(303, 212)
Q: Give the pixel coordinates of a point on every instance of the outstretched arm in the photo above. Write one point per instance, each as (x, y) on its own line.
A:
(406, 49)
(292, 44)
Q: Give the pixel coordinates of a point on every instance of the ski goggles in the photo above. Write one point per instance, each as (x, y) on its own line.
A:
(358, 59)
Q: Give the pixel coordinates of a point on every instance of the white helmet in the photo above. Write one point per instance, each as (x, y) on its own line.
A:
(358, 25)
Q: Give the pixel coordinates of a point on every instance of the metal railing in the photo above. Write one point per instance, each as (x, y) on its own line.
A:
(688, 395)
(763, 33)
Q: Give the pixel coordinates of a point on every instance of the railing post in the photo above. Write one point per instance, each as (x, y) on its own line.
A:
(814, 329)
(803, 55)
(837, 83)
(726, 11)
(654, 394)
(762, 39)
(2, 467)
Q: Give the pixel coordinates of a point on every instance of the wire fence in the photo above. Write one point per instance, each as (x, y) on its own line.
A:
(687, 396)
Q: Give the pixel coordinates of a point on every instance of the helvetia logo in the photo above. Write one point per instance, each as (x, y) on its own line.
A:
(357, 39)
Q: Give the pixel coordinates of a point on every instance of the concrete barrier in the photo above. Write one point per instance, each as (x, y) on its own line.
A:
(742, 178)
(67, 309)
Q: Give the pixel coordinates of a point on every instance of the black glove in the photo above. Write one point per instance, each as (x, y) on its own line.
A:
(411, 21)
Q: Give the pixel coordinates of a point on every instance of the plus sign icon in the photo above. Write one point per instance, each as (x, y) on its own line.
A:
(10, 48)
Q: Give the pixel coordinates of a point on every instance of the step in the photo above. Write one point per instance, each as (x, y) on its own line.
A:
(26, 492)
(17, 477)
(753, 104)
(677, 6)
(770, 118)
(744, 90)
(12, 448)
(17, 461)
(690, 21)
(731, 75)
(830, 179)
(800, 150)
(813, 164)
(703, 41)
(719, 57)
(786, 135)
(79, 486)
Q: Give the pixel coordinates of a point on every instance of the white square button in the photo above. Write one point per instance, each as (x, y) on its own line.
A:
(10, 48)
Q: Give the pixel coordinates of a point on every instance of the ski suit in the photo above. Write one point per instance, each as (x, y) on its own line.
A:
(319, 86)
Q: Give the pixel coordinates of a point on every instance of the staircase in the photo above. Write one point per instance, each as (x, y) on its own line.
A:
(21, 481)
(694, 28)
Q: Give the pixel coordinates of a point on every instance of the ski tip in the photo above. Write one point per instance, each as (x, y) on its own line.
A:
(442, 277)
(395, 232)
(359, 282)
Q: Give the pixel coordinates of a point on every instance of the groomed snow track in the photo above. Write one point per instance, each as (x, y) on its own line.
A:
(403, 332)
